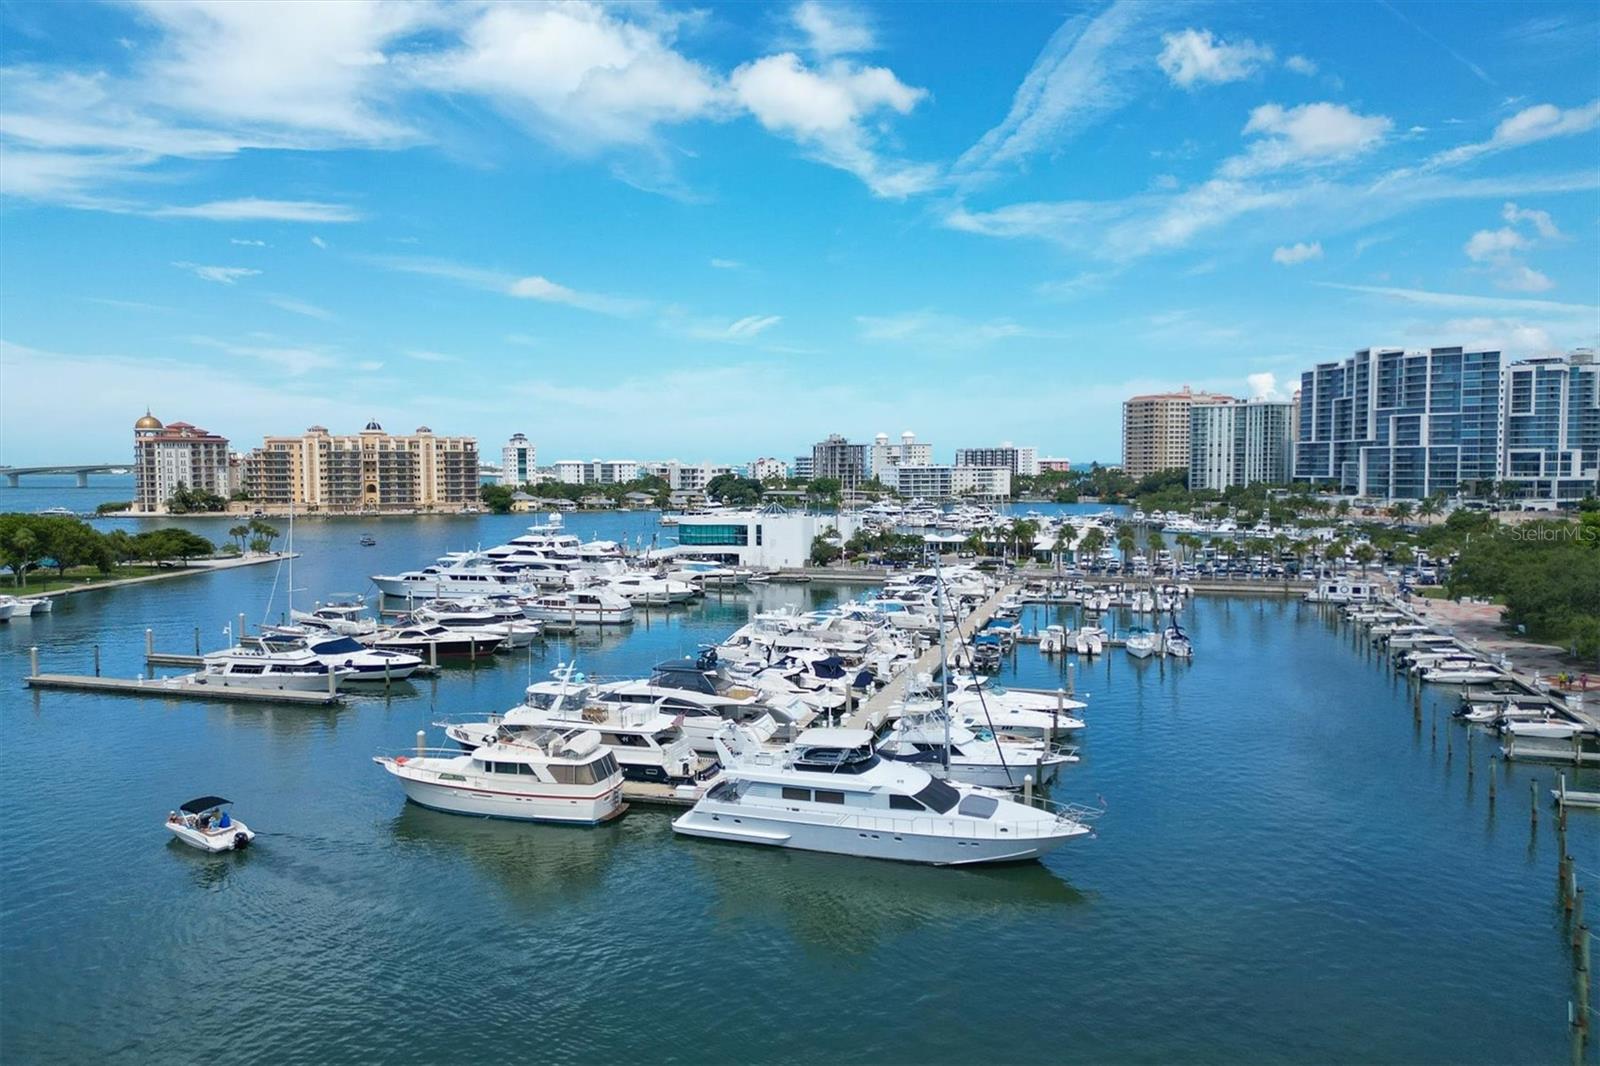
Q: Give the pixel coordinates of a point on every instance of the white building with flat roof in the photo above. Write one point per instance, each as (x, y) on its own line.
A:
(1023, 460)
(908, 451)
(767, 469)
(766, 538)
(517, 461)
(595, 471)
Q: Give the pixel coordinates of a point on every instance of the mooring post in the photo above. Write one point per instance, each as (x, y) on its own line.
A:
(1071, 690)
(1027, 789)
(97, 660)
(433, 654)
(422, 742)
(1533, 802)
(1577, 913)
(149, 642)
(239, 633)
(1491, 782)
(333, 681)
(33, 661)
(197, 640)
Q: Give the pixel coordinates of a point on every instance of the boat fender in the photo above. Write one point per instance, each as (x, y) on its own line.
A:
(400, 760)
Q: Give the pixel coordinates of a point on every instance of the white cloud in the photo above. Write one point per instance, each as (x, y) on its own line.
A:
(737, 331)
(251, 209)
(530, 287)
(1300, 65)
(1450, 301)
(1484, 333)
(825, 108)
(833, 28)
(1088, 69)
(1297, 253)
(727, 264)
(292, 359)
(1537, 123)
(422, 355)
(1191, 57)
(931, 329)
(1308, 135)
(1264, 386)
(223, 275)
(319, 242)
(580, 74)
(300, 307)
(1520, 277)
(1542, 222)
(1491, 245)
(544, 290)
(246, 242)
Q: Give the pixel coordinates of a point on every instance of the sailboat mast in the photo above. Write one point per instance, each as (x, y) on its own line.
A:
(944, 667)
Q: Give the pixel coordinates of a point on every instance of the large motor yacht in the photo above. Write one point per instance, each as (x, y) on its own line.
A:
(973, 755)
(454, 577)
(831, 792)
(586, 606)
(547, 775)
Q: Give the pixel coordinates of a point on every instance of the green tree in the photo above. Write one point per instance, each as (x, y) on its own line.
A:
(735, 491)
(825, 550)
(1127, 540)
(19, 547)
(239, 534)
(262, 535)
(496, 497)
(1090, 544)
(1363, 554)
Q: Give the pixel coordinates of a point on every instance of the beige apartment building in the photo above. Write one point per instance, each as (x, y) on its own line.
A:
(373, 470)
(1155, 430)
(166, 456)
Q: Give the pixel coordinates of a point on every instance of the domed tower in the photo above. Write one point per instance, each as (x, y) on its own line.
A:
(148, 426)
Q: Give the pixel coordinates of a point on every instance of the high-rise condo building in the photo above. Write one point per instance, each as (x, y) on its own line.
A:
(1155, 430)
(907, 452)
(373, 470)
(1024, 461)
(517, 461)
(1550, 443)
(1401, 425)
(836, 457)
(1240, 443)
(166, 456)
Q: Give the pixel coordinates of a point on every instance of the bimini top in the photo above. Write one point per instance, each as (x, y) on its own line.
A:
(202, 804)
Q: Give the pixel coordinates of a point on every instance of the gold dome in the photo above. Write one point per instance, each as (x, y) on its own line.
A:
(149, 421)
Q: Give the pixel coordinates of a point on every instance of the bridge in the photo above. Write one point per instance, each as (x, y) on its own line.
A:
(15, 474)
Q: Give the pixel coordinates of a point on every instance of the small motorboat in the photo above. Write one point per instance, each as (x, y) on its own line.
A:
(206, 823)
(1053, 641)
(368, 540)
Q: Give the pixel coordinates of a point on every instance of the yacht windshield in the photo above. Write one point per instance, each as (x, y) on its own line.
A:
(938, 796)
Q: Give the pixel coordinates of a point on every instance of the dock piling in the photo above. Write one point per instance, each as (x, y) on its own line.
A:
(433, 654)
(33, 661)
(197, 640)
(97, 660)
(1491, 781)
(422, 742)
(333, 681)
(1533, 802)
(239, 633)
(149, 643)
(1027, 789)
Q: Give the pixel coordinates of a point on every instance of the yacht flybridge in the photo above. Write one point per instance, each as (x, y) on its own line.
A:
(831, 792)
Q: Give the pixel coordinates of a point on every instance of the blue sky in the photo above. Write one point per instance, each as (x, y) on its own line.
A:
(724, 231)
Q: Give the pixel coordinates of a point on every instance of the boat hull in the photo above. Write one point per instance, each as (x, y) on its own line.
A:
(514, 806)
(234, 838)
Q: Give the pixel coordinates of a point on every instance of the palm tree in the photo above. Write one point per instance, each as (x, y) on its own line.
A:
(1089, 544)
(1400, 510)
(1126, 542)
(1363, 555)
(239, 534)
(1431, 506)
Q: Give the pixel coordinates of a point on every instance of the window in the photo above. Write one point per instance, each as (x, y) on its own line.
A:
(802, 794)
(904, 803)
(938, 796)
(562, 773)
(825, 796)
(978, 806)
(714, 534)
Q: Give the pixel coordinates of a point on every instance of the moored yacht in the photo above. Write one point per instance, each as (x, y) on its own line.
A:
(546, 775)
(586, 606)
(457, 575)
(954, 751)
(430, 642)
(831, 792)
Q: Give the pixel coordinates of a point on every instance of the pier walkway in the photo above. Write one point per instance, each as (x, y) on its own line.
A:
(876, 709)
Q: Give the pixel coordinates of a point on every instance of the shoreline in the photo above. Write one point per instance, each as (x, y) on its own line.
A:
(196, 566)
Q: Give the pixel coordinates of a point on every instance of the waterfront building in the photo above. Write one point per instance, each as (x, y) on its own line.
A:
(767, 469)
(373, 470)
(987, 482)
(804, 467)
(949, 482)
(771, 536)
(1550, 441)
(1024, 461)
(517, 461)
(1240, 443)
(684, 477)
(595, 471)
(1155, 430)
(908, 452)
(1050, 465)
(836, 457)
(1401, 425)
(166, 456)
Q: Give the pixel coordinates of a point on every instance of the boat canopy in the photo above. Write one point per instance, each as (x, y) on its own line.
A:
(203, 804)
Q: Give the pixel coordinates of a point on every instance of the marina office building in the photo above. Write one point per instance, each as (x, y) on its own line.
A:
(769, 537)
(1155, 430)
(1405, 425)
(373, 470)
(166, 456)
(1240, 443)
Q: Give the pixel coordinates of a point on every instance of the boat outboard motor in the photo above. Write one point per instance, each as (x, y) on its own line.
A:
(239, 841)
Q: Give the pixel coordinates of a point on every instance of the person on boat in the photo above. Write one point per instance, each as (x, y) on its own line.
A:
(224, 822)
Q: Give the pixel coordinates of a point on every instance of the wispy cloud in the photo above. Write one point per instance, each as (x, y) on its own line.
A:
(1295, 254)
(1540, 122)
(530, 287)
(1450, 301)
(736, 331)
(834, 28)
(252, 209)
(727, 264)
(423, 355)
(292, 359)
(222, 275)
(932, 329)
(300, 307)
(247, 243)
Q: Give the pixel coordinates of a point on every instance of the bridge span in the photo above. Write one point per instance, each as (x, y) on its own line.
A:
(15, 474)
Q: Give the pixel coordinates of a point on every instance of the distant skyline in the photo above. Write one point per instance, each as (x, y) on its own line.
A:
(719, 232)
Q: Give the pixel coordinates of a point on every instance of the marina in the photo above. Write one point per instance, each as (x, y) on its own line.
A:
(1256, 737)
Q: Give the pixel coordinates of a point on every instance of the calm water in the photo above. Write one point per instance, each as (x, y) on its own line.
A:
(1291, 869)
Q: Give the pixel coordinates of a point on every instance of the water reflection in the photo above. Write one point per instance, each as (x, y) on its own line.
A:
(538, 866)
(834, 904)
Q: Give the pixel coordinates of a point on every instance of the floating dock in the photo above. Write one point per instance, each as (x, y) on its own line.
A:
(183, 687)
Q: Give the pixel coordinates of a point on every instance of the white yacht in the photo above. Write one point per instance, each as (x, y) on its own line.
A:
(1090, 641)
(342, 614)
(297, 672)
(502, 618)
(1462, 672)
(339, 651)
(545, 775)
(1141, 643)
(957, 752)
(586, 606)
(1175, 642)
(647, 590)
(428, 641)
(458, 575)
(705, 699)
(831, 792)
(647, 742)
(1053, 641)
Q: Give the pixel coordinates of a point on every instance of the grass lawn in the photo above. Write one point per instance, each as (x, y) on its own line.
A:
(49, 581)
(1437, 592)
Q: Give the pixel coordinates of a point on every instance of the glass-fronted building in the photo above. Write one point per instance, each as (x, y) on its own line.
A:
(1550, 448)
(1240, 443)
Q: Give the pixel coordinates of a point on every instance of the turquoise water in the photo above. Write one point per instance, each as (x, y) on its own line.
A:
(1291, 869)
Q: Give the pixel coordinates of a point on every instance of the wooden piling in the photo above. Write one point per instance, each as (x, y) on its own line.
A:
(422, 742)
(149, 643)
(239, 633)
(197, 640)
(1491, 782)
(1577, 915)
(97, 660)
(33, 661)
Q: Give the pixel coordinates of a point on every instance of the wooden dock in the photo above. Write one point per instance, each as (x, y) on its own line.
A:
(655, 794)
(876, 710)
(183, 687)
